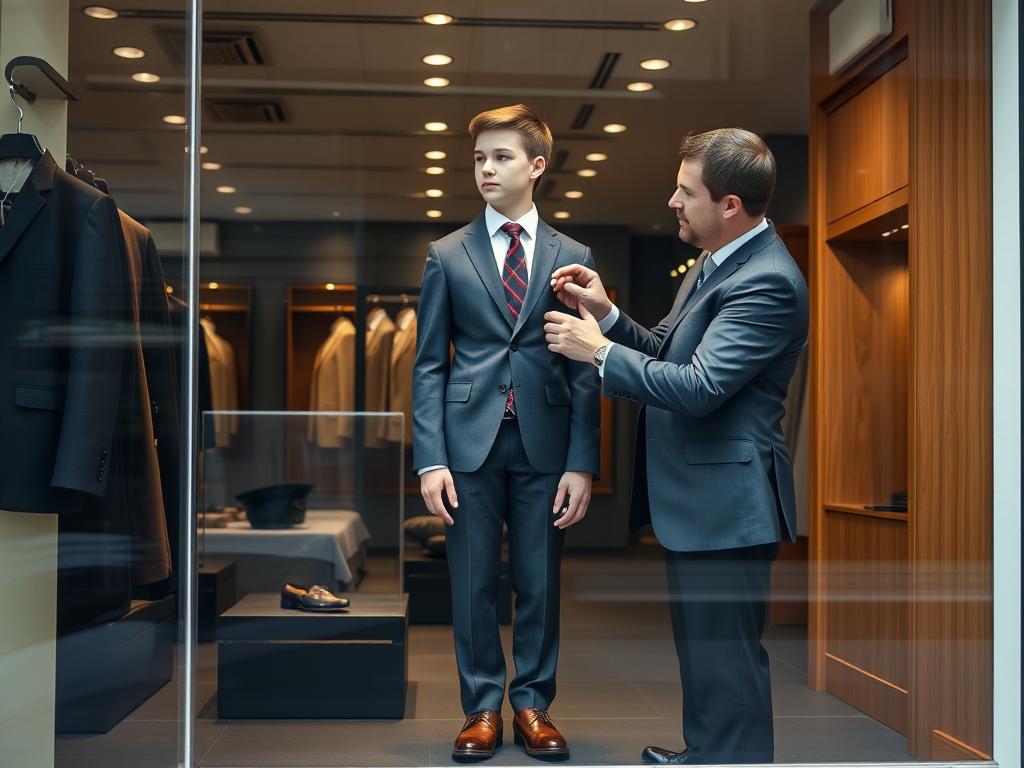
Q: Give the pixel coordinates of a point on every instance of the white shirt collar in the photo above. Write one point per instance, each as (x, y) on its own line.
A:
(726, 251)
(528, 221)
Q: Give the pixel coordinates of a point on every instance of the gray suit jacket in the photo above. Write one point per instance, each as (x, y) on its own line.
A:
(712, 469)
(458, 402)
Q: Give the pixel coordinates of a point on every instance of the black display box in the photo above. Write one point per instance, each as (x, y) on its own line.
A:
(218, 591)
(106, 671)
(430, 589)
(287, 664)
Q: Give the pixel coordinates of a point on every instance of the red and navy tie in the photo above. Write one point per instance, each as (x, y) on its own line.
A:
(515, 279)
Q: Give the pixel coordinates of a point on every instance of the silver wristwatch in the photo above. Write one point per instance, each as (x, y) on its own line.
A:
(599, 355)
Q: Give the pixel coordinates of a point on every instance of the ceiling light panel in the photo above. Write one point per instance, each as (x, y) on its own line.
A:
(437, 59)
(129, 52)
(655, 65)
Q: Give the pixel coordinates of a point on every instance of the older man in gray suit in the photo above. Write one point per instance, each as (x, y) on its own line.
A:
(712, 469)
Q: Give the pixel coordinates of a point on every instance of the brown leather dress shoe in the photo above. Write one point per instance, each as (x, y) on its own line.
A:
(479, 737)
(535, 732)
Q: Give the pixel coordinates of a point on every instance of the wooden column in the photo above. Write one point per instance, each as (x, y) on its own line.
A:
(951, 369)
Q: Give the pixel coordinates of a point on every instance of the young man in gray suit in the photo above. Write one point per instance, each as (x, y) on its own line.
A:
(503, 432)
(712, 469)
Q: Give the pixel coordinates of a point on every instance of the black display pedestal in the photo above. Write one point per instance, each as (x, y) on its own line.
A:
(106, 671)
(430, 589)
(283, 664)
(218, 591)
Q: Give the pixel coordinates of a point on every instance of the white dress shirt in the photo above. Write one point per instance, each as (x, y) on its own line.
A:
(500, 242)
(718, 257)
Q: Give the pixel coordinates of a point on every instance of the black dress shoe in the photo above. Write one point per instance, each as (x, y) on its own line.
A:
(315, 599)
(659, 756)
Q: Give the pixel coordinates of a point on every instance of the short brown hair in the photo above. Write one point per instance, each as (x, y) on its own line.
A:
(736, 162)
(537, 139)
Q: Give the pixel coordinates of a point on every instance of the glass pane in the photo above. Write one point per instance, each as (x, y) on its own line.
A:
(786, 554)
(91, 218)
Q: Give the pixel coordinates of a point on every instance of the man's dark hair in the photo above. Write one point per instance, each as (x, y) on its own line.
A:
(736, 162)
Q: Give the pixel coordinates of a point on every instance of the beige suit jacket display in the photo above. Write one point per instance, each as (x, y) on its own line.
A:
(332, 387)
(224, 383)
(403, 358)
(380, 336)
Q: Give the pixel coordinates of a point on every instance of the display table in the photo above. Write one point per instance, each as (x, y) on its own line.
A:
(283, 664)
(327, 549)
(218, 591)
(106, 671)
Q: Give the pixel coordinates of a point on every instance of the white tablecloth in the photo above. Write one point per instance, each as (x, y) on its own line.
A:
(331, 535)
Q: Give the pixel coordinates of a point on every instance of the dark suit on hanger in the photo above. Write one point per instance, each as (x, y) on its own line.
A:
(503, 471)
(64, 326)
(713, 474)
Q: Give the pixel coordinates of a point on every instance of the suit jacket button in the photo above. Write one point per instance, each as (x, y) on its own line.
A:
(502, 389)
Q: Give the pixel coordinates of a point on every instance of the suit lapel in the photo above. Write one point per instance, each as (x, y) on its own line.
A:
(477, 243)
(28, 203)
(733, 263)
(545, 252)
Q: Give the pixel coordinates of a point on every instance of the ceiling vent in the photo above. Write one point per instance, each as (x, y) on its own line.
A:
(261, 111)
(558, 161)
(604, 70)
(221, 48)
(582, 117)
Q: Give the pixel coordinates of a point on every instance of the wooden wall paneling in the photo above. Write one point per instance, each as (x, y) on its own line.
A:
(868, 634)
(864, 372)
(817, 592)
(867, 145)
(951, 292)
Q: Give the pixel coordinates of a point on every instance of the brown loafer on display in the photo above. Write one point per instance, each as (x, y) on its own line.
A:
(480, 736)
(315, 599)
(535, 732)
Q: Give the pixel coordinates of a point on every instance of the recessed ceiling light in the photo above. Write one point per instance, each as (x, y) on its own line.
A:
(886, 234)
(99, 12)
(905, 226)
(214, 286)
(680, 25)
(640, 87)
(597, 157)
(587, 173)
(435, 170)
(434, 214)
(561, 214)
(690, 262)
(574, 194)
(175, 119)
(436, 126)
(244, 210)
(212, 166)
(169, 289)
(655, 64)
(128, 52)
(437, 82)
(437, 59)
(336, 214)
(329, 286)
(682, 269)
(614, 128)
(226, 190)
(436, 154)
(693, 1)
(437, 19)
(146, 77)
(203, 150)
(673, 273)
(435, 193)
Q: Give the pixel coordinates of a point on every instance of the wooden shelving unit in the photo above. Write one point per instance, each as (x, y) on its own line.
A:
(901, 377)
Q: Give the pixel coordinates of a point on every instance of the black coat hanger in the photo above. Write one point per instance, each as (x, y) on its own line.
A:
(19, 144)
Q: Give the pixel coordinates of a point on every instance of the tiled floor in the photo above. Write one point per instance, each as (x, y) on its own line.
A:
(618, 691)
